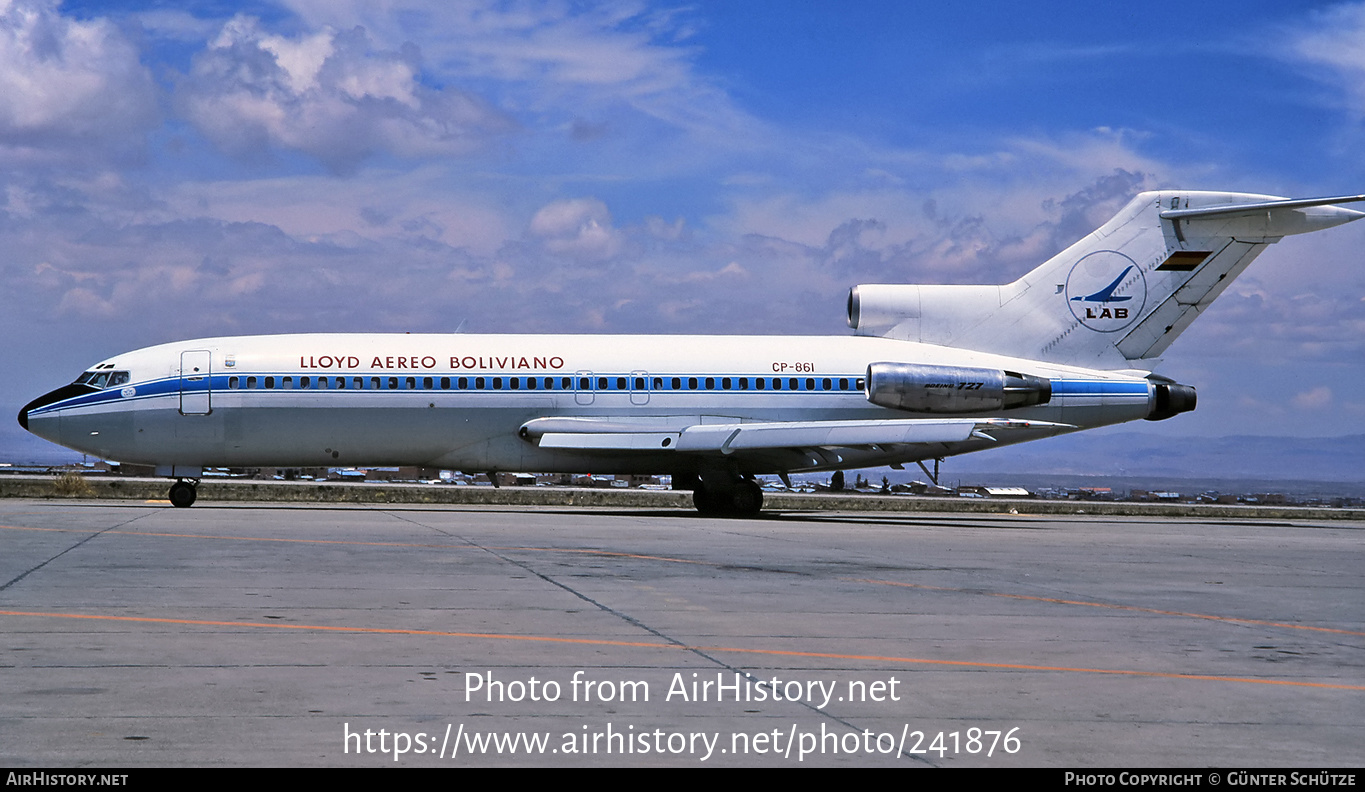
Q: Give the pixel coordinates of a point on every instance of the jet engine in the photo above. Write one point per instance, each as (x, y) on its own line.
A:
(952, 389)
(1170, 398)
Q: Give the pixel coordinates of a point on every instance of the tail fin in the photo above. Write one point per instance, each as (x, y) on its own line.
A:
(1121, 294)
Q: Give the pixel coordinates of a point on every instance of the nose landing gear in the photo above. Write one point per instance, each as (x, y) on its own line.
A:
(183, 493)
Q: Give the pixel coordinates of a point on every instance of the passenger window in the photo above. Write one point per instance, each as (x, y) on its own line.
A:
(232, 383)
(479, 383)
(620, 383)
(497, 383)
(426, 383)
(658, 383)
(410, 383)
(676, 383)
(710, 383)
(843, 383)
(514, 383)
(393, 383)
(826, 384)
(445, 383)
(743, 383)
(639, 383)
(531, 383)
(251, 382)
(463, 383)
(269, 382)
(691, 383)
(810, 383)
(305, 382)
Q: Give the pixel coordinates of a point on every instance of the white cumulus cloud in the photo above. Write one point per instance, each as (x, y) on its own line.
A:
(330, 94)
(580, 228)
(69, 89)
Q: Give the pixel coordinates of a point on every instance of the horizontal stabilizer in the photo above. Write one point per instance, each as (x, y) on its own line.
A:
(1262, 206)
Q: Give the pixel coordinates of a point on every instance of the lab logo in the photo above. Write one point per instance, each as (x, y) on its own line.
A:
(128, 392)
(1106, 291)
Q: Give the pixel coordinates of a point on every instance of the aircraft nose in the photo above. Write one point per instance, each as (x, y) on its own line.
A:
(64, 392)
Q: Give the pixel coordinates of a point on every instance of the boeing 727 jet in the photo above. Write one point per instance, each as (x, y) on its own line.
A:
(928, 372)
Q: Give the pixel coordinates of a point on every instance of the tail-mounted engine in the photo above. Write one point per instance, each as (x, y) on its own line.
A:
(952, 389)
(1169, 398)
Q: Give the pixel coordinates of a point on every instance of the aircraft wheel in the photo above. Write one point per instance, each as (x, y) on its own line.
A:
(182, 494)
(744, 499)
(707, 502)
(747, 499)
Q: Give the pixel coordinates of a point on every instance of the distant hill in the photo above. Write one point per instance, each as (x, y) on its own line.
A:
(1135, 454)
(1095, 453)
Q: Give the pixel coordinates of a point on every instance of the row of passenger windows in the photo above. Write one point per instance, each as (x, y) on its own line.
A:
(599, 384)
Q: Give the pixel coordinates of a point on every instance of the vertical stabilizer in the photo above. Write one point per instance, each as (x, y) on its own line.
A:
(1121, 294)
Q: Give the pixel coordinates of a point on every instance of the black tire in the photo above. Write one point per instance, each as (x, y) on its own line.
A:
(746, 500)
(183, 494)
(707, 503)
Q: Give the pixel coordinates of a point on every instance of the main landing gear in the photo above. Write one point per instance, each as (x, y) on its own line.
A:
(183, 493)
(741, 498)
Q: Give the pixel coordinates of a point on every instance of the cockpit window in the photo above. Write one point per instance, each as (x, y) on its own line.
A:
(103, 379)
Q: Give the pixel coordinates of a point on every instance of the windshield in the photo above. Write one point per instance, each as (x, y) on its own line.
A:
(103, 379)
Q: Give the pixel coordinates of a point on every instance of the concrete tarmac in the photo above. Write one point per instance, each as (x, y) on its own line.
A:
(135, 634)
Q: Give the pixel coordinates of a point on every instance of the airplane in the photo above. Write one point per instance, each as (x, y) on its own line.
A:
(930, 371)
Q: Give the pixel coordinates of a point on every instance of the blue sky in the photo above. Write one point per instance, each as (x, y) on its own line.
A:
(172, 171)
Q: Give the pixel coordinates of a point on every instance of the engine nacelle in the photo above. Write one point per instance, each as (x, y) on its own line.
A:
(1170, 399)
(952, 389)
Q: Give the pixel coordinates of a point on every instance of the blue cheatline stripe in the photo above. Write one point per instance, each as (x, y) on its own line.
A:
(1098, 388)
(149, 389)
(557, 383)
(220, 383)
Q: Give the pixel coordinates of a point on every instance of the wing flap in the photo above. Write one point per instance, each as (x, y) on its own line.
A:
(613, 435)
(728, 438)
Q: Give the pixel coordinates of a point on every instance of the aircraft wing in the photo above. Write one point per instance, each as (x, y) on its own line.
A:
(818, 438)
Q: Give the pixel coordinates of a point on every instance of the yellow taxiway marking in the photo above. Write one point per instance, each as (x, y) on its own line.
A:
(681, 647)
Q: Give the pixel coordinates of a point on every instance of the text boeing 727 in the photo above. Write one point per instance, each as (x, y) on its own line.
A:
(930, 371)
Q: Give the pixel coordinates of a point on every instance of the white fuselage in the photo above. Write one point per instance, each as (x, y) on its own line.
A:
(457, 401)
